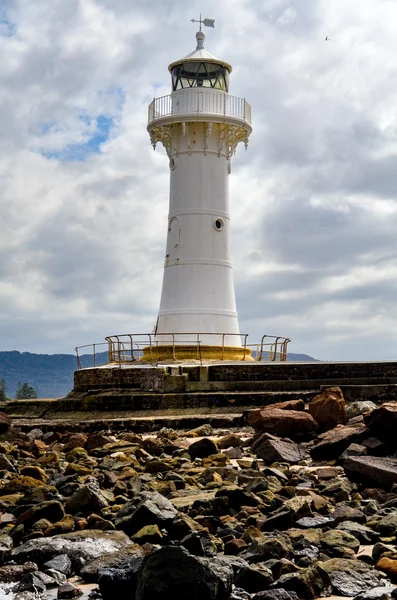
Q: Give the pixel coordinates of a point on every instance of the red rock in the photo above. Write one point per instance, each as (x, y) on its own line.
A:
(335, 441)
(234, 546)
(328, 408)
(388, 566)
(378, 471)
(272, 449)
(294, 424)
(5, 422)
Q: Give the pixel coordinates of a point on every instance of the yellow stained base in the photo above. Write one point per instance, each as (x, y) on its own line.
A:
(181, 352)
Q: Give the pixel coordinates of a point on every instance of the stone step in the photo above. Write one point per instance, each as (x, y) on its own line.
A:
(298, 385)
(377, 393)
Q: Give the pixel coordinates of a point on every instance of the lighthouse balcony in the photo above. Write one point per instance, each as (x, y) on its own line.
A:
(199, 105)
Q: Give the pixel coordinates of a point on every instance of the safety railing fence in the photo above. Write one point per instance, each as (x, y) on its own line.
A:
(192, 102)
(128, 348)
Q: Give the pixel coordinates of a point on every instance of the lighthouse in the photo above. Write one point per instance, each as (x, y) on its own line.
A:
(200, 126)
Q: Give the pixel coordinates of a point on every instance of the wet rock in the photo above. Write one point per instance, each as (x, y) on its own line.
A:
(80, 546)
(273, 449)
(349, 577)
(173, 572)
(328, 408)
(293, 424)
(378, 593)
(120, 581)
(202, 448)
(254, 578)
(373, 470)
(60, 563)
(148, 508)
(30, 582)
(364, 534)
(334, 442)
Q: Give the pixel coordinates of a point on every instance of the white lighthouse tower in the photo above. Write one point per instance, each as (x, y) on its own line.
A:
(200, 126)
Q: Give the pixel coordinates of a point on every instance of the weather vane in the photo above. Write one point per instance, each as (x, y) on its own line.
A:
(205, 22)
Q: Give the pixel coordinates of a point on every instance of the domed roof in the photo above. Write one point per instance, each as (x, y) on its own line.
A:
(200, 55)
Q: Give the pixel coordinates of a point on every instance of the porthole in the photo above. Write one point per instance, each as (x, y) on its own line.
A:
(219, 224)
(172, 163)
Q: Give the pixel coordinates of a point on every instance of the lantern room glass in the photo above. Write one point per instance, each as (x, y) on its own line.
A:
(200, 74)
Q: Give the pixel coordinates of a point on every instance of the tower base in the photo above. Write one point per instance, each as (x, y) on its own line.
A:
(185, 352)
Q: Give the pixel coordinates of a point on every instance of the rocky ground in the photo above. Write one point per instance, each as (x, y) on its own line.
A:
(299, 503)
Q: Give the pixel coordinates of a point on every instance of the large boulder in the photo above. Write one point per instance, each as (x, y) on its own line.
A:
(273, 449)
(120, 580)
(174, 573)
(349, 577)
(294, 424)
(372, 470)
(382, 423)
(202, 448)
(328, 408)
(80, 546)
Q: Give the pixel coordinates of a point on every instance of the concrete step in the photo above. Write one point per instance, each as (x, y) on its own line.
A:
(375, 393)
(275, 385)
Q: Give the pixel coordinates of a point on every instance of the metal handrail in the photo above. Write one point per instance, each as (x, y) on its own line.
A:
(126, 348)
(195, 102)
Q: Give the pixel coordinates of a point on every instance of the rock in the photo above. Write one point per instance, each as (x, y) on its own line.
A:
(30, 582)
(86, 498)
(149, 534)
(335, 441)
(281, 520)
(379, 550)
(65, 525)
(120, 581)
(5, 423)
(344, 512)
(80, 546)
(203, 430)
(239, 594)
(387, 526)
(232, 440)
(306, 583)
(276, 594)
(388, 566)
(254, 578)
(349, 577)
(21, 483)
(378, 471)
(148, 508)
(235, 453)
(6, 545)
(353, 450)
(328, 408)
(359, 407)
(68, 590)
(60, 563)
(174, 573)
(75, 440)
(309, 522)
(90, 571)
(269, 547)
(10, 573)
(35, 434)
(364, 534)
(199, 543)
(6, 464)
(272, 449)
(294, 424)
(52, 510)
(202, 448)
(338, 543)
(382, 423)
(253, 418)
(237, 497)
(35, 472)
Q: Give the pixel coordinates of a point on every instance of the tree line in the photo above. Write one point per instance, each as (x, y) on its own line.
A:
(24, 391)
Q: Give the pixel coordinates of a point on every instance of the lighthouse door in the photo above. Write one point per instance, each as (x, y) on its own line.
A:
(173, 246)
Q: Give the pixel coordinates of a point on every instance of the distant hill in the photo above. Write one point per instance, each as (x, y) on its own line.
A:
(52, 374)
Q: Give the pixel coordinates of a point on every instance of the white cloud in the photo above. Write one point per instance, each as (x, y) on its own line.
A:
(313, 200)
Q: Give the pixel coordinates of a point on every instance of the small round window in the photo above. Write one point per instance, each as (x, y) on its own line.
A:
(172, 163)
(219, 224)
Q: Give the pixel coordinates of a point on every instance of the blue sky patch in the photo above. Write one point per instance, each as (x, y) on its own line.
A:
(7, 27)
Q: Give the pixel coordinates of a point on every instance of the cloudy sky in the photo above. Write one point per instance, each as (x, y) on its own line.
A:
(84, 199)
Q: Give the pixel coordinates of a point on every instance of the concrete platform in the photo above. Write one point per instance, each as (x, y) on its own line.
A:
(130, 392)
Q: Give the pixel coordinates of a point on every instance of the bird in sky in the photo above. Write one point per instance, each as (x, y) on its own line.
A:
(327, 39)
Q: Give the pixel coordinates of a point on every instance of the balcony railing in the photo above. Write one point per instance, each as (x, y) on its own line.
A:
(192, 102)
(128, 348)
